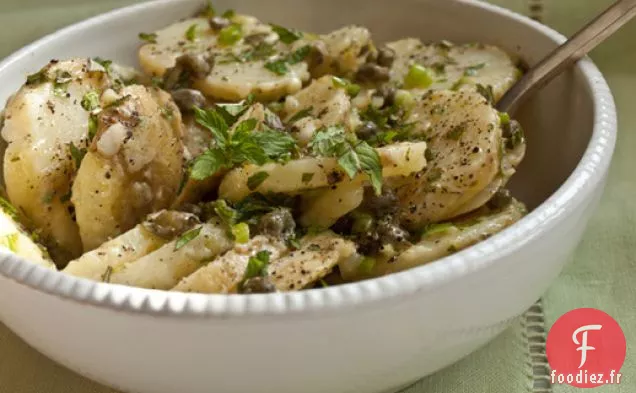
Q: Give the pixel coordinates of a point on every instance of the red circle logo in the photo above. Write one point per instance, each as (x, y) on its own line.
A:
(586, 348)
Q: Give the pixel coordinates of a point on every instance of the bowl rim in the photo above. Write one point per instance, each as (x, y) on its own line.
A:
(585, 178)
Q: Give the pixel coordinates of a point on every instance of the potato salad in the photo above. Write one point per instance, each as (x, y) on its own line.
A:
(242, 156)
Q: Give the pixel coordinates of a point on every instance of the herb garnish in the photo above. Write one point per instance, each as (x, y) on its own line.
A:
(353, 156)
(77, 154)
(187, 238)
(148, 37)
(241, 232)
(256, 267)
(487, 92)
(240, 146)
(280, 66)
(231, 34)
(301, 114)
(286, 35)
(191, 33)
(37, 78)
(92, 126)
(436, 229)
(254, 181)
(8, 208)
(90, 101)
(472, 70)
(351, 88)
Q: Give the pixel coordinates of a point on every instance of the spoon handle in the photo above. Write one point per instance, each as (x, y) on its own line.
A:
(569, 53)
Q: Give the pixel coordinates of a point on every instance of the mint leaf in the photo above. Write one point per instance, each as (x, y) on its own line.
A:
(370, 164)
(277, 145)
(328, 141)
(257, 266)
(187, 238)
(246, 126)
(349, 162)
(213, 121)
(256, 180)
(207, 164)
(299, 55)
(286, 35)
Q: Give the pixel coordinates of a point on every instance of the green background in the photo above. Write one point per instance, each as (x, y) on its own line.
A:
(601, 274)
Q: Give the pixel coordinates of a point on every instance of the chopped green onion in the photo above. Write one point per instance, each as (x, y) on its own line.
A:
(437, 229)
(92, 127)
(90, 101)
(504, 118)
(366, 265)
(404, 99)
(191, 33)
(148, 37)
(241, 232)
(352, 89)
(418, 77)
(231, 34)
(187, 238)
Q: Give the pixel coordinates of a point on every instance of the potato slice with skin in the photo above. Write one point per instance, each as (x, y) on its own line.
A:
(400, 159)
(456, 66)
(41, 122)
(165, 267)
(224, 274)
(228, 79)
(15, 238)
(133, 167)
(465, 137)
(316, 258)
(154, 232)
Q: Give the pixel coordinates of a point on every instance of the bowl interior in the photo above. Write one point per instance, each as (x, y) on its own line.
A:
(558, 120)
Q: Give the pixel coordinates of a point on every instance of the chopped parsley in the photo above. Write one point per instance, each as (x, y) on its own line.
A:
(256, 266)
(37, 78)
(92, 127)
(8, 208)
(472, 70)
(307, 177)
(351, 88)
(487, 92)
(148, 37)
(287, 36)
(77, 154)
(10, 241)
(191, 33)
(90, 101)
(281, 66)
(301, 114)
(254, 181)
(231, 34)
(187, 238)
(352, 156)
(107, 274)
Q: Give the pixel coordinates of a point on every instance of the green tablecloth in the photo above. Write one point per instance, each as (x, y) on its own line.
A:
(600, 275)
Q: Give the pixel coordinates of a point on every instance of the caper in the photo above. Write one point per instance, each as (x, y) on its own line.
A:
(368, 130)
(168, 223)
(501, 199)
(218, 23)
(258, 285)
(187, 99)
(370, 72)
(386, 57)
(278, 224)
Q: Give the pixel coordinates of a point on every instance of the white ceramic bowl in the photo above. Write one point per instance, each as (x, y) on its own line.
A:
(373, 336)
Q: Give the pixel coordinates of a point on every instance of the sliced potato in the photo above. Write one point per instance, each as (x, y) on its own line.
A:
(323, 104)
(342, 51)
(237, 72)
(154, 232)
(465, 138)
(165, 267)
(455, 66)
(316, 258)
(42, 121)
(400, 159)
(15, 238)
(133, 167)
(324, 207)
(224, 274)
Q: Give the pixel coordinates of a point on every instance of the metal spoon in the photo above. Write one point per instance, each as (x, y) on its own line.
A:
(569, 53)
